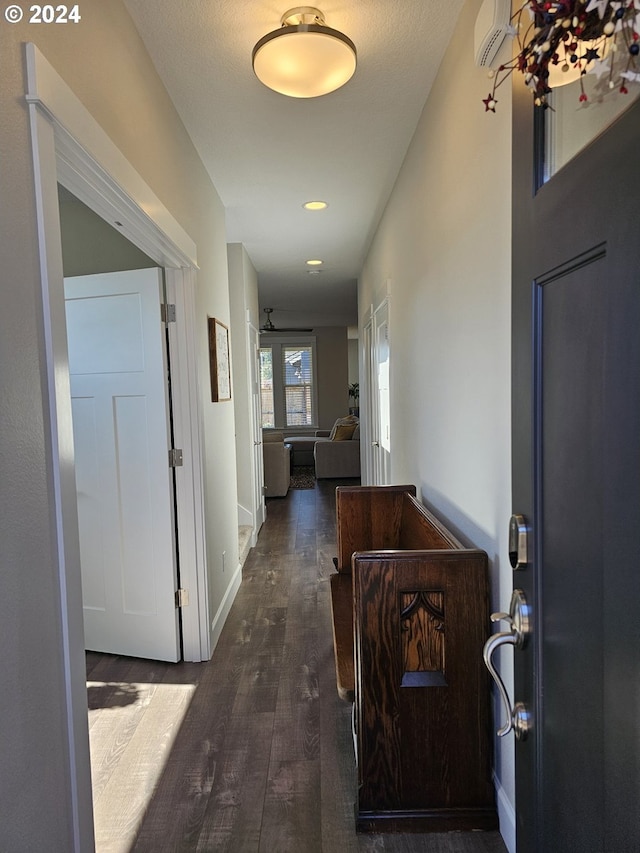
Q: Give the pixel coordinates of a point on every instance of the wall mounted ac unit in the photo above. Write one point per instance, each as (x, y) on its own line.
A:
(491, 29)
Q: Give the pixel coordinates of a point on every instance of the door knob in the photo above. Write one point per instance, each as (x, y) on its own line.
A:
(519, 622)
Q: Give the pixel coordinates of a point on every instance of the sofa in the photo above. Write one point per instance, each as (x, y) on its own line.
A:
(334, 453)
(338, 456)
(276, 454)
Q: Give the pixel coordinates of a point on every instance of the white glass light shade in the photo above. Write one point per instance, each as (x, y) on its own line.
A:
(304, 61)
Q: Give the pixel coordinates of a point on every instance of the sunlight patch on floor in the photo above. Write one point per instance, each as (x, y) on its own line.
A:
(132, 728)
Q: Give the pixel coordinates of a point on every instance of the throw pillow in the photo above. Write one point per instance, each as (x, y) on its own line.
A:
(344, 432)
(350, 419)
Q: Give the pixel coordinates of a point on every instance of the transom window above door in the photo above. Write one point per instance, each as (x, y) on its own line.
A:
(571, 124)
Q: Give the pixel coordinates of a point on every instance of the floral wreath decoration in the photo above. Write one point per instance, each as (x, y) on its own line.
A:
(600, 37)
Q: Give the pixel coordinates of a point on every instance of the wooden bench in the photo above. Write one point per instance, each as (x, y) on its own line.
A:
(410, 617)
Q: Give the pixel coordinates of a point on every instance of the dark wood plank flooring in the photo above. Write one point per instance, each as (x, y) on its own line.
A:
(250, 752)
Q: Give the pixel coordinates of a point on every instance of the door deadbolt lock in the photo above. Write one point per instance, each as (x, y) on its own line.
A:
(518, 546)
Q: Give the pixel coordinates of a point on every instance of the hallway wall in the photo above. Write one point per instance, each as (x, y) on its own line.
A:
(90, 245)
(333, 374)
(105, 63)
(442, 250)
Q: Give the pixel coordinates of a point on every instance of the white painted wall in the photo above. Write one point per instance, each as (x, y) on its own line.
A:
(354, 365)
(333, 374)
(106, 64)
(90, 245)
(443, 250)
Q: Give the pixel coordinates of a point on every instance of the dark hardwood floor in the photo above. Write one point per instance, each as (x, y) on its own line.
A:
(250, 752)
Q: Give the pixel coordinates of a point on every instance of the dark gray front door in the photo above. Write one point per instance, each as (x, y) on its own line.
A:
(576, 478)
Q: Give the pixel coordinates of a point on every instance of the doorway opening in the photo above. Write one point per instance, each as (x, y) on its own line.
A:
(71, 149)
(120, 399)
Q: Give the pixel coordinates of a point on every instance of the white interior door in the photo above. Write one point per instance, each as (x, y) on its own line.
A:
(256, 414)
(368, 424)
(382, 407)
(118, 374)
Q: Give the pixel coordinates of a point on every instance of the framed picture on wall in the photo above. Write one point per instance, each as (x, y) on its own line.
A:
(219, 364)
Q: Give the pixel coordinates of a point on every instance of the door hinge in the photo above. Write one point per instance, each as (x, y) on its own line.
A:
(175, 458)
(182, 597)
(168, 312)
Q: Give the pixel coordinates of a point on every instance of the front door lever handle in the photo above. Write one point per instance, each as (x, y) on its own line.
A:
(500, 617)
(518, 718)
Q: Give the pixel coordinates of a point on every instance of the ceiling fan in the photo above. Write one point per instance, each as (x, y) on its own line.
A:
(268, 326)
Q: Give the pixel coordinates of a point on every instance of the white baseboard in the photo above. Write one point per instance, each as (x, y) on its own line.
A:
(225, 606)
(506, 817)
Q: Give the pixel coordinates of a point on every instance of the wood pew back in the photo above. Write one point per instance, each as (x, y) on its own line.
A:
(410, 616)
(368, 518)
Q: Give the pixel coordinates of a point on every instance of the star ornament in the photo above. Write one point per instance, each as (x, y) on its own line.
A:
(600, 68)
(531, 81)
(591, 55)
(600, 5)
(595, 36)
(489, 103)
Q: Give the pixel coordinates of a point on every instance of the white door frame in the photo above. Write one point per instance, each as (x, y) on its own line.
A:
(367, 401)
(187, 432)
(257, 467)
(376, 460)
(69, 147)
(382, 454)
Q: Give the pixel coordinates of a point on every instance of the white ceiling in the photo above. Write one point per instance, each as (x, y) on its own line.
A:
(267, 154)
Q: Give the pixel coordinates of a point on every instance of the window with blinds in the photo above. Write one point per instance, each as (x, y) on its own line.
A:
(297, 379)
(266, 387)
(287, 384)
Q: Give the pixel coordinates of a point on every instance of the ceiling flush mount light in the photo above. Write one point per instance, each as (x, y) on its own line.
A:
(314, 262)
(304, 58)
(315, 205)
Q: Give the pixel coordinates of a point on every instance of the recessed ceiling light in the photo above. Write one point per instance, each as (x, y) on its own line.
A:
(314, 263)
(315, 205)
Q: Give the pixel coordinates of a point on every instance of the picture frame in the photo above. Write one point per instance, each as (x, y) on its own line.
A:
(219, 363)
